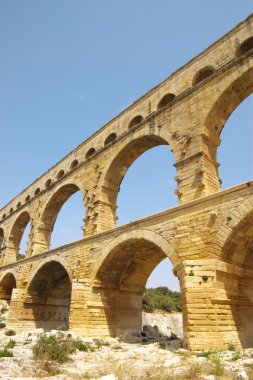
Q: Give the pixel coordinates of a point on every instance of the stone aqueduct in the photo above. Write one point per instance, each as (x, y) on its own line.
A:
(96, 284)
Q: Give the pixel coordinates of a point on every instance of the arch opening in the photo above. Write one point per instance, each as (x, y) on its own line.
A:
(48, 183)
(166, 99)
(203, 74)
(120, 284)
(110, 139)
(238, 287)
(244, 47)
(235, 153)
(24, 242)
(74, 164)
(153, 163)
(148, 185)
(19, 237)
(1, 238)
(62, 219)
(135, 121)
(47, 303)
(7, 284)
(90, 153)
(227, 102)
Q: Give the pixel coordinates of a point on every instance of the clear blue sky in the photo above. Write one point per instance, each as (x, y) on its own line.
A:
(67, 67)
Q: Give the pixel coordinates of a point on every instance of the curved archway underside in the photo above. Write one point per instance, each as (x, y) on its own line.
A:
(123, 276)
(7, 284)
(48, 298)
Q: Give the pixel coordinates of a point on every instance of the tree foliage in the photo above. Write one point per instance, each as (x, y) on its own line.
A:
(161, 298)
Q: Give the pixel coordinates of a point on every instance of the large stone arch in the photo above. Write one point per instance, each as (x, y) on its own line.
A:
(1, 238)
(239, 219)
(14, 238)
(231, 92)
(235, 268)
(121, 276)
(48, 295)
(128, 150)
(144, 234)
(53, 258)
(48, 215)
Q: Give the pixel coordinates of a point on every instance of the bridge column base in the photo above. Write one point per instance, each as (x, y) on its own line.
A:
(210, 323)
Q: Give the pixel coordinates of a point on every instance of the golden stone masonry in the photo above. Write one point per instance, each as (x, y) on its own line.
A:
(95, 285)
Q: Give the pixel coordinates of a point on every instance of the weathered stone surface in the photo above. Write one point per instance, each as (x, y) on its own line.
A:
(166, 323)
(95, 286)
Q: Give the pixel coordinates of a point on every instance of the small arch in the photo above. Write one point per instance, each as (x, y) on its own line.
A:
(11, 210)
(74, 164)
(90, 153)
(37, 191)
(203, 74)
(244, 47)
(4, 216)
(48, 183)
(27, 198)
(110, 139)
(135, 121)
(7, 284)
(166, 99)
(60, 174)
(49, 296)
(18, 204)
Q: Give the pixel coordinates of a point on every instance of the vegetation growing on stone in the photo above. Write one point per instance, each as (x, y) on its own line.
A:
(20, 256)
(161, 298)
(55, 347)
(59, 347)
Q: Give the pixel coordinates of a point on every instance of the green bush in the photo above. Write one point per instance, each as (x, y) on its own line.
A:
(10, 332)
(6, 353)
(79, 345)
(10, 344)
(204, 354)
(62, 327)
(55, 347)
(161, 298)
(4, 309)
(20, 256)
(100, 343)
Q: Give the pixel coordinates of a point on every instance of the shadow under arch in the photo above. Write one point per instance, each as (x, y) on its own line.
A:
(236, 285)
(7, 284)
(51, 211)
(118, 167)
(48, 297)
(121, 278)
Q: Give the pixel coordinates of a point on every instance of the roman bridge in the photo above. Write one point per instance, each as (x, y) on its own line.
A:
(95, 285)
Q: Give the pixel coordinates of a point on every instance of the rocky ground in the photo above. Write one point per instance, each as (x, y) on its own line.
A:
(155, 353)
